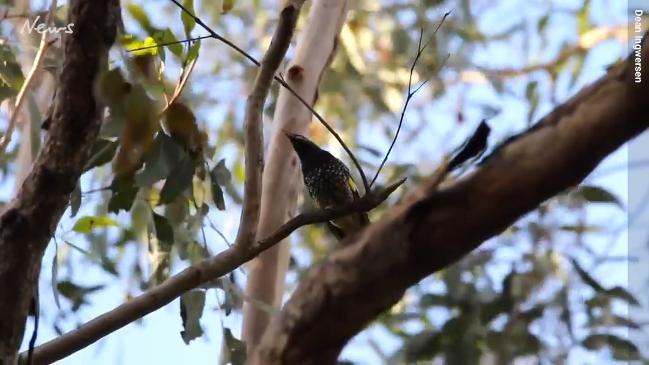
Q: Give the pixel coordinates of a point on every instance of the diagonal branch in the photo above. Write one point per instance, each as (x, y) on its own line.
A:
(244, 248)
(436, 227)
(200, 273)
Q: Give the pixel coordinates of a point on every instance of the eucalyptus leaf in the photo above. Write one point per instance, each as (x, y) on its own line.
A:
(179, 181)
(163, 230)
(234, 349)
(90, 223)
(191, 311)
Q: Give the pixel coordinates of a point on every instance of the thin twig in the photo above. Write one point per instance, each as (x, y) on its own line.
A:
(20, 98)
(281, 81)
(182, 81)
(216, 35)
(411, 93)
(188, 40)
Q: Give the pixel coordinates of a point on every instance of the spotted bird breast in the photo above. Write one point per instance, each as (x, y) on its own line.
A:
(328, 186)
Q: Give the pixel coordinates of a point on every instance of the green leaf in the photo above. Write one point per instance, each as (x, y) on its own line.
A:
(607, 321)
(140, 16)
(623, 294)
(576, 70)
(587, 278)
(90, 223)
(622, 349)
(217, 192)
(179, 181)
(227, 6)
(583, 21)
(532, 95)
(75, 200)
(102, 261)
(163, 230)
(192, 53)
(422, 347)
(188, 21)
(55, 275)
(160, 161)
(11, 75)
(234, 349)
(595, 194)
(167, 36)
(543, 23)
(102, 153)
(219, 176)
(191, 311)
(432, 300)
(221, 173)
(124, 193)
(76, 293)
(35, 131)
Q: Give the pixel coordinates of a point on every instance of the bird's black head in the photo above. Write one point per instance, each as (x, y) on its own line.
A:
(311, 156)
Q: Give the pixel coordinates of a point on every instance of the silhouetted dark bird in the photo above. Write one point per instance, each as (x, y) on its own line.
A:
(329, 184)
(473, 147)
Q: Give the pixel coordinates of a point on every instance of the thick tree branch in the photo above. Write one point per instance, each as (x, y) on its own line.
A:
(434, 228)
(28, 222)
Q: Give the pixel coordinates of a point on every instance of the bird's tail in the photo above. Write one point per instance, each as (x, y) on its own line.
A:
(345, 226)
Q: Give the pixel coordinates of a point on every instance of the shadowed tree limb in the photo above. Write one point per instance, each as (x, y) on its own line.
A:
(28, 222)
(435, 227)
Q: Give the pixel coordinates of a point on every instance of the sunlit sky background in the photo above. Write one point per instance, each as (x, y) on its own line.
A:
(156, 339)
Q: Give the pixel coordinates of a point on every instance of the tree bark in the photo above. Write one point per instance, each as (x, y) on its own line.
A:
(433, 227)
(29, 221)
(281, 173)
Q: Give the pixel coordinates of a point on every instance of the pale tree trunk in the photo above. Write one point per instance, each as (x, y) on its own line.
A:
(281, 178)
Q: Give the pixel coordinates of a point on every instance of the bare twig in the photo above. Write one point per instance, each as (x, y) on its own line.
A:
(281, 81)
(188, 40)
(411, 92)
(182, 81)
(22, 93)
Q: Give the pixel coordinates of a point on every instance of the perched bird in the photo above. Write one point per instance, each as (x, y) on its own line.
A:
(329, 184)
